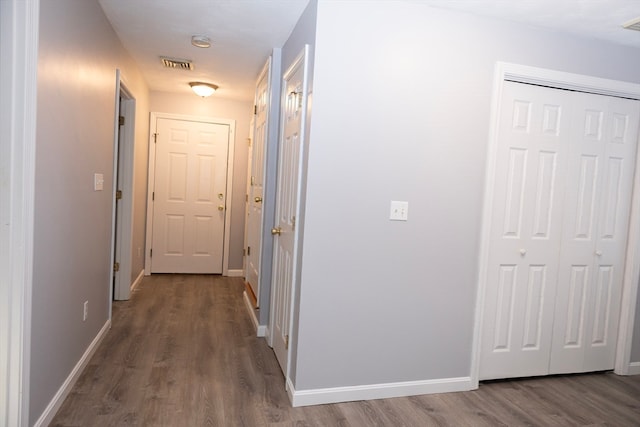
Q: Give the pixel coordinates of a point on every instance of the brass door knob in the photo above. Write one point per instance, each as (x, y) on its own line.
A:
(220, 207)
(276, 231)
(258, 199)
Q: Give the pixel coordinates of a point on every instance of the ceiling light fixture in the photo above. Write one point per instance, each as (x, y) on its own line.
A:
(203, 89)
(201, 41)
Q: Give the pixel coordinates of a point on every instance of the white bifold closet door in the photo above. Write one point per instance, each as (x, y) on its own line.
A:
(560, 211)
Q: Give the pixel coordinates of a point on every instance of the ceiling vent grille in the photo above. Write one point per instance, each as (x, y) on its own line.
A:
(181, 64)
(634, 24)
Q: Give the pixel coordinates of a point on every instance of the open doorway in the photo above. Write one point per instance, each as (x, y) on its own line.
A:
(123, 190)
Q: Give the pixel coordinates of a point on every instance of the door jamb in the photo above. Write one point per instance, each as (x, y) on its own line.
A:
(577, 82)
(18, 105)
(154, 116)
(124, 230)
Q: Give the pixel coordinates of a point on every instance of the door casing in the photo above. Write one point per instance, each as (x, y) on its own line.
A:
(151, 180)
(18, 107)
(561, 80)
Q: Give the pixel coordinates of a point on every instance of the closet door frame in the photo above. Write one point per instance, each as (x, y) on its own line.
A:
(560, 80)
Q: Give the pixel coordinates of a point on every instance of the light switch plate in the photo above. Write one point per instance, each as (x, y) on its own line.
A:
(399, 211)
(98, 182)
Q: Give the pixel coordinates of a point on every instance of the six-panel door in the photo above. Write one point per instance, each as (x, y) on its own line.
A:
(189, 196)
(561, 204)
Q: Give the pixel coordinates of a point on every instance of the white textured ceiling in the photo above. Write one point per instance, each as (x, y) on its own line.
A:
(595, 19)
(244, 31)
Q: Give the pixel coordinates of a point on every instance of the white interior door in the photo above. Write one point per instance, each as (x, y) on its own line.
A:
(526, 232)
(555, 188)
(256, 183)
(294, 90)
(596, 221)
(189, 200)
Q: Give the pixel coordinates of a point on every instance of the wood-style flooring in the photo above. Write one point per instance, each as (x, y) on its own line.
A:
(183, 352)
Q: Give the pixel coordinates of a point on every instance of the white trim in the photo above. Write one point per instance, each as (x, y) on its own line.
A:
(65, 389)
(235, 273)
(19, 25)
(268, 336)
(376, 391)
(261, 330)
(154, 116)
(136, 282)
(633, 369)
(570, 81)
(288, 386)
(524, 74)
(630, 280)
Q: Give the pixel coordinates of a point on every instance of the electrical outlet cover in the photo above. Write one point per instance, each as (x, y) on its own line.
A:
(399, 211)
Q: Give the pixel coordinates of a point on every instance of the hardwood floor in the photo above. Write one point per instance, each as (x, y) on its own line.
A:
(183, 352)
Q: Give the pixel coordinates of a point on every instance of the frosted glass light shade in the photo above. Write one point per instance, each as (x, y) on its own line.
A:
(203, 89)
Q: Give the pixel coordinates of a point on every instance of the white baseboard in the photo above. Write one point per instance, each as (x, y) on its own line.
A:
(235, 273)
(634, 368)
(376, 391)
(137, 281)
(261, 330)
(65, 389)
(268, 336)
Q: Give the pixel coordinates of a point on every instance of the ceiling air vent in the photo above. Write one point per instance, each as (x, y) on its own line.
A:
(181, 64)
(634, 24)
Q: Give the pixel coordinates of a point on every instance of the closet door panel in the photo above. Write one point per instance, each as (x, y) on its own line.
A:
(596, 217)
(526, 232)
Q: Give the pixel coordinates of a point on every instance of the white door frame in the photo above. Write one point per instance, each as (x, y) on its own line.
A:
(123, 232)
(557, 79)
(154, 116)
(19, 23)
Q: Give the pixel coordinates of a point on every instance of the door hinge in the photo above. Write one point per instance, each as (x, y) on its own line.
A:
(286, 342)
(155, 137)
(293, 223)
(116, 267)
(248, 250)
(121, 120)
(118, 194)
(244, 252)
(153, 196)
(255, 109)
(150, 253)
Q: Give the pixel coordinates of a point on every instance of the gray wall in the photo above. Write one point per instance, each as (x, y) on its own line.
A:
(241, 112)
(78, 56)
(401, 110)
